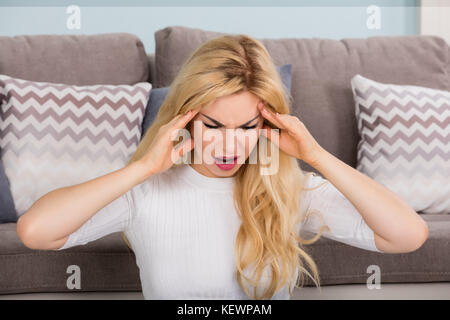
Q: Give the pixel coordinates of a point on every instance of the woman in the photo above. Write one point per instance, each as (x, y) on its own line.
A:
(205, 227)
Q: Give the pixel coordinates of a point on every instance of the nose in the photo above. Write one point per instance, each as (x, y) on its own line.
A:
(229, 143)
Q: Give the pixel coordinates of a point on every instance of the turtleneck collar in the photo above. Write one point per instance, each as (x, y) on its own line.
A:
(197, 179)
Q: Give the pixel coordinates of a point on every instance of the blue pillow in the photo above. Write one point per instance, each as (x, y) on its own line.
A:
(286, 75)
(155, 101)
(157, 96)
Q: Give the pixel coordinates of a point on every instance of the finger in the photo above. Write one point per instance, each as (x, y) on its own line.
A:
(269, 115)
(179, 122)
(185, 118)
(168, 125)
(291, 123)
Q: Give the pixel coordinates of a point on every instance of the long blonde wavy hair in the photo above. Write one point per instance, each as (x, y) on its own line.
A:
(268, 205)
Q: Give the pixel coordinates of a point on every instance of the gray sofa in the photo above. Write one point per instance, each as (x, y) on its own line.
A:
(322, 69)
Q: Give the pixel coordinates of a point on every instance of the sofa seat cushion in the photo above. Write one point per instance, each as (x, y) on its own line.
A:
(107, 264)
(342, 264)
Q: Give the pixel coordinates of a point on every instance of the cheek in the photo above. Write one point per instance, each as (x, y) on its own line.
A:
(211, 141)
(248, 141)
(208, 145)
(199, 131)
(253, 141)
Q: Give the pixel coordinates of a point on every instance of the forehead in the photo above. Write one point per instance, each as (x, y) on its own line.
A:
(233, 109)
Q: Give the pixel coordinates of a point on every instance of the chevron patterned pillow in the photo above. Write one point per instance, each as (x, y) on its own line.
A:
(55, 135)
(405, 141)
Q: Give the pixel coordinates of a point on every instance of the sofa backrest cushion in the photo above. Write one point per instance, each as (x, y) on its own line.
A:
(109, 58)
(321, 74)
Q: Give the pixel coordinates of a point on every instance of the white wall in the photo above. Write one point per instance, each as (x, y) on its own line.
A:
(435, 18)
(262, 22)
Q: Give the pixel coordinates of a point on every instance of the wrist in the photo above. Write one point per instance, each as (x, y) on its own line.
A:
(318, 155)
(139, 172)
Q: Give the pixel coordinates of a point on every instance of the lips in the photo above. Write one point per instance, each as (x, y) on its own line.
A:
(226, 163)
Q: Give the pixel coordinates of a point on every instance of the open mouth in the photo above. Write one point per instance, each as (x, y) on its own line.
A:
(226, 160)
(226, 163)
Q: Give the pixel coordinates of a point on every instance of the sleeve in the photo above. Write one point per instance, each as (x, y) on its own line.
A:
(114, 217)
(345, 223)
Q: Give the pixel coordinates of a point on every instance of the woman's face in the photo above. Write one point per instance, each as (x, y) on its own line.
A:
(228, 127)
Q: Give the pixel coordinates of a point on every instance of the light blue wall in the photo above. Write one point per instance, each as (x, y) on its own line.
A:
(344, 21)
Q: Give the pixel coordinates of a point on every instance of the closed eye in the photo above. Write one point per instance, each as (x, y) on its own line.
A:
(216, 127)
(210, 126)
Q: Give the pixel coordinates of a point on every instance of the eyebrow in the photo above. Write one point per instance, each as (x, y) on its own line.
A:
(220, 124)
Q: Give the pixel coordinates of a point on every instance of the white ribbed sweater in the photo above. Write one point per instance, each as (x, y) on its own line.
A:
(182, 227)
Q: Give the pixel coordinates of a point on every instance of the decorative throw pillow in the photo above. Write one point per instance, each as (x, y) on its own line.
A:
(405, 141)
(56, 135)
(158, 95)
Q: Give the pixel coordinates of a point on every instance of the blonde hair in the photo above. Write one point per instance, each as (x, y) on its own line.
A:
(268, 205)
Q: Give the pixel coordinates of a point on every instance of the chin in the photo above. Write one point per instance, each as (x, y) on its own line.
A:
(224, 173)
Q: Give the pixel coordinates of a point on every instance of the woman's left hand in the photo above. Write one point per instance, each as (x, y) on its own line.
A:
(293, 137)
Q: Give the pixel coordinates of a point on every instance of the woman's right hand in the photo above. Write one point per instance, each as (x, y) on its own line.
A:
(158, 157)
